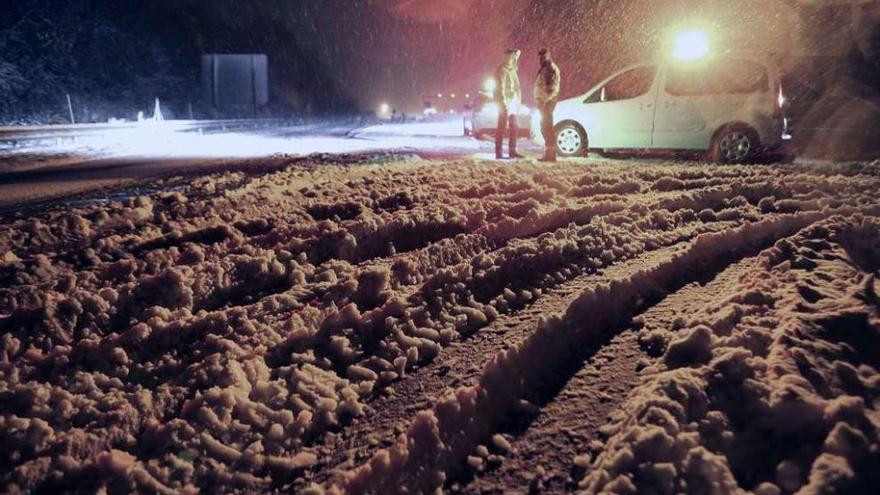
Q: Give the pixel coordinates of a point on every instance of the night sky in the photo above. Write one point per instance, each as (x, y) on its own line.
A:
(396, 50)
(342, 55)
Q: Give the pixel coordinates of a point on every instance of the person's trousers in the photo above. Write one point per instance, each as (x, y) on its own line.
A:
(506, 123)
(547, 132)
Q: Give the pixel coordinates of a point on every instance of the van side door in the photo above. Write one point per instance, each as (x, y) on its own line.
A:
(696, 98)
(622, 111)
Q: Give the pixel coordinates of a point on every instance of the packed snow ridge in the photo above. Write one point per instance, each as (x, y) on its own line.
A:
(207, 339)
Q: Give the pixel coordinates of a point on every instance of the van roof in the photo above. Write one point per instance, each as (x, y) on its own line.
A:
(771, 59)
(767, 57)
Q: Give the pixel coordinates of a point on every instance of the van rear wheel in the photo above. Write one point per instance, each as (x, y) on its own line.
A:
(735, 144)
(571, 140)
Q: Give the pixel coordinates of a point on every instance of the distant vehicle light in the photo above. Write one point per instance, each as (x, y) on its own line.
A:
(490, 85)
(781, 103)
(439, 95)
(384, 108)
(452, 95)
(690, 45)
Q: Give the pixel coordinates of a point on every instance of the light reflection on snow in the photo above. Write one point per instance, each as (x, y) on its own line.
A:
(165, 139)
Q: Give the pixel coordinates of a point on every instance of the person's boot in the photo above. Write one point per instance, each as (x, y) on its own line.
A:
(549, 155)
(499, 147)
(513, 154)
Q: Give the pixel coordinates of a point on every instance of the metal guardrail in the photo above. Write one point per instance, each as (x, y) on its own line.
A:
(29, 135)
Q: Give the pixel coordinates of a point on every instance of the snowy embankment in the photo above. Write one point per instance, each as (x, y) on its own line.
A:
(163, 141)
(212, 338)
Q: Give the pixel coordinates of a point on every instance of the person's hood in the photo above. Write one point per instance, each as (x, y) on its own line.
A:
(511, 58)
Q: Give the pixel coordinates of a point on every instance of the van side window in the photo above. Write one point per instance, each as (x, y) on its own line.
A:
(631, 84)
(727, 76)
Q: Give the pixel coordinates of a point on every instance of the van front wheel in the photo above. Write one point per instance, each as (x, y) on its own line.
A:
(571, 140)
(735, 144)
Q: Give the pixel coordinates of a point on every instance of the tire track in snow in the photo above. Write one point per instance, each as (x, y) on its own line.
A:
(544, 448)
(461, 363)
(440, 440)
(458, 365)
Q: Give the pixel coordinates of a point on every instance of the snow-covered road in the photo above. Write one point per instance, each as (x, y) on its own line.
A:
(31, 175)
(385, 324)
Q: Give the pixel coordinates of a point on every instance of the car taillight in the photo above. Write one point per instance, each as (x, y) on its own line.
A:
(781, 100)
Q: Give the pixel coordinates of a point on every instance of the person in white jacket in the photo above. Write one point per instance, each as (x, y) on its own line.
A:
(546, 97)
(508, 95)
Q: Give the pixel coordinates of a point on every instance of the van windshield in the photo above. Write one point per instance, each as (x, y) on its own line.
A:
(723, 76)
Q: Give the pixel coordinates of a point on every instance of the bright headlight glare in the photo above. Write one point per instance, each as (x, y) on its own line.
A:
(690, 45)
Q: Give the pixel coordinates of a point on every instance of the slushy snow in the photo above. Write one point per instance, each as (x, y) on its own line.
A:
(207, 338)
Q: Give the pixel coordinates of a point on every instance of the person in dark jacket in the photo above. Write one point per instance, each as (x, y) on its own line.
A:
(508, 95)
(546, 97)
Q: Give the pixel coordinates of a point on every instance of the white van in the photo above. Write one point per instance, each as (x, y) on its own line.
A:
(731, 105)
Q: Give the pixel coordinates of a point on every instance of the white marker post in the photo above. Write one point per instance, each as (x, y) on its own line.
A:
(70, 109)
(157, 112)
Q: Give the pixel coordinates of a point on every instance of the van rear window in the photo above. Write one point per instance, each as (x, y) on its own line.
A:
(728, 76)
